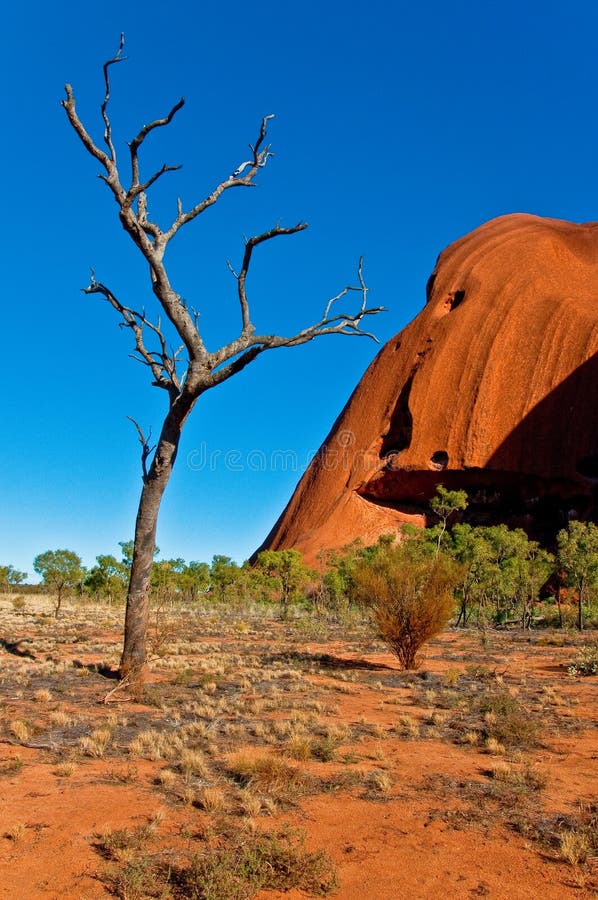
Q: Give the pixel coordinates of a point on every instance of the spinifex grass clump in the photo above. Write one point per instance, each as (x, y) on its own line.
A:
(270, 776)
(506, 721)
(276, 861)
(265, 861)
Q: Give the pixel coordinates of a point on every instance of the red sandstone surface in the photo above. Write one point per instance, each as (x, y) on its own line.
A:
(491, 388)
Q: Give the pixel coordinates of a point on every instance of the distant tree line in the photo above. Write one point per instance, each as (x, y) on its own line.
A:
(491, 575)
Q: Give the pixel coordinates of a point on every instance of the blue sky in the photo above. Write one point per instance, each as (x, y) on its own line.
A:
(398, 129)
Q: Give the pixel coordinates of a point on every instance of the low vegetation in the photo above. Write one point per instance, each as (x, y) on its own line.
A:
(244, 723)
(260, 706)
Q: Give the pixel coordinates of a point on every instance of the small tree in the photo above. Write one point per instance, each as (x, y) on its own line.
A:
(10, 577)
(410, 595)
(108, 578)
(578, 558)
(194, 580)
(224, 575)
(444, 503)
(288, 572)
(188, 372)
(62, 571)
(166, 575)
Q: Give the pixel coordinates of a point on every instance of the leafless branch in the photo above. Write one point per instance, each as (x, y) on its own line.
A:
(260, 156)
(118, 57)
(147, 184)
(147, 234)
(247, 346)
(121, 685)
(362, 287)
(138, 141)
(86, 140)
(250, 244)
(146, 450)
(162, 363)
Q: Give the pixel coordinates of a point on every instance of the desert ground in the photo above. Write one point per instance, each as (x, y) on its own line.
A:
(267, 758)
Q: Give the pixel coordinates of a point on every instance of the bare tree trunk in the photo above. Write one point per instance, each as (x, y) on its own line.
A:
(580, 607)
(558, 601)
(154, 484)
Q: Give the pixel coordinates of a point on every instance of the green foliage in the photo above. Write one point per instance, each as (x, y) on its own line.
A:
(165, 580)
(503, 572)
(505, 720)
(194, 580)
(10, 577)
(444, 503)
(287, 573)
(586, 661)
(331, 592)
(225, 575)
(108, 578)
(577, 556)
(265, 861)
(61, 570)
(409, 594)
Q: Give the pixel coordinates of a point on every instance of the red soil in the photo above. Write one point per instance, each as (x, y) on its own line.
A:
(396, 847)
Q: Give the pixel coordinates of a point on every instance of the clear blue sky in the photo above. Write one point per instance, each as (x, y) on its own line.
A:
(399, 127)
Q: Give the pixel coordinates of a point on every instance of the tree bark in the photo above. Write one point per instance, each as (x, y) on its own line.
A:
(558, 601)
(134, 653)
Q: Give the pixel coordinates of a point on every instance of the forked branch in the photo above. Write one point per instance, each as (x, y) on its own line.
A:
(136, 143)
(244, 349)
(118, 57)
(146, 450)
(133, 223)
(162, 362)
(260, 156)
(205, 369)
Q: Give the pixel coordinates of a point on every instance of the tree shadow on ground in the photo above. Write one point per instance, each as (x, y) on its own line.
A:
(325, 660)
(15, 648)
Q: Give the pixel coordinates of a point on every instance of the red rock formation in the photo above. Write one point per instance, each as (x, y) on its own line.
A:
(492, 388)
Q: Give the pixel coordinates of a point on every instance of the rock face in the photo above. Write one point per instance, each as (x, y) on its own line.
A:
(492, 388)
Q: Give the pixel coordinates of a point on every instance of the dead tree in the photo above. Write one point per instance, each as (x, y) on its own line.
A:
(186, 373)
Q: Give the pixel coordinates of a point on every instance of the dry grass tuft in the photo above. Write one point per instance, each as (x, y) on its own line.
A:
(42, 695)
(16, 833)
(96, 743)
(20, 730)
(65, 769)
(574, 847)
(269, 775)
(213, 799)
(193, 762)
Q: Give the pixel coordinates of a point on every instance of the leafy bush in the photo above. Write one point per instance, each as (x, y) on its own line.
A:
(410, 596)
(586, 661)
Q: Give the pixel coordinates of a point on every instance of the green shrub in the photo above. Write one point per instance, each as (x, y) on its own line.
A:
(266, 861)
(586, 661)
(411, 599)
